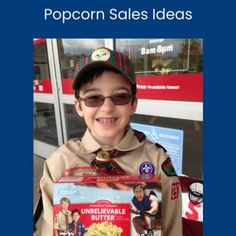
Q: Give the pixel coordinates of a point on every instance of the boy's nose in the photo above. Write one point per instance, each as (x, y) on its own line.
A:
(108, 104)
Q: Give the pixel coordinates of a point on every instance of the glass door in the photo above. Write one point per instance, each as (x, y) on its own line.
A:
(67, 53)
(46, 117)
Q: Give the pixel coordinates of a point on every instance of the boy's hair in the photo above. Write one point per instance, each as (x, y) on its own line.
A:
(64, 199)
(75, 211)
(94, 74)
(103, 59)
(142, 186)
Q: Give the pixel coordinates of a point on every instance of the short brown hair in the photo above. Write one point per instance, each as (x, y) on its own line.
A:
(64, 199)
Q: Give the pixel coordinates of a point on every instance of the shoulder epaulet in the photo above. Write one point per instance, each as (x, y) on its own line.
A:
(139, 135)
(160, 146)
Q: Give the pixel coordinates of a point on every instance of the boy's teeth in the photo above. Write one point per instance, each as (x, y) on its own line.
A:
(106, 121)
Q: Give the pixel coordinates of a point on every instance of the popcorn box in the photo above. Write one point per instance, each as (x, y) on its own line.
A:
(106, 204)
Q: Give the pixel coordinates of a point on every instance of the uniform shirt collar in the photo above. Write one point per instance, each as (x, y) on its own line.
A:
(64, 211)
(128, 142)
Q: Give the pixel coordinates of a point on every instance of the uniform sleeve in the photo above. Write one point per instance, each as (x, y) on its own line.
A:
(171, 196)
(56, 222)
(46, 185)
(153, 204)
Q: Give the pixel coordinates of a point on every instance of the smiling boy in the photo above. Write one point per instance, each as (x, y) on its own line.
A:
(63, 217)
(105, 92)
(107, 122)
(146, 207)
(77, 227)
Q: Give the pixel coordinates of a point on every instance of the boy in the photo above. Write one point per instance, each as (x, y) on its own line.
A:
(146, 207)
(63, 217)
(77, 228)
(105, 92)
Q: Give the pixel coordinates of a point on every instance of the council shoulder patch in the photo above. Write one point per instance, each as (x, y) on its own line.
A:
(168, 168)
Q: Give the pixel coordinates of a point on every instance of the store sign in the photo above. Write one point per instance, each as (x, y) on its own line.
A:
(170, 139)
(158, 49)
(162, 55)
(179, 87)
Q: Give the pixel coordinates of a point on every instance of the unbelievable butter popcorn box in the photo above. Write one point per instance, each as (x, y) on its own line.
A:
(93, 205)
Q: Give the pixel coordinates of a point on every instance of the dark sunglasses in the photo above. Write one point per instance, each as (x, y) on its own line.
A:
(98, 100)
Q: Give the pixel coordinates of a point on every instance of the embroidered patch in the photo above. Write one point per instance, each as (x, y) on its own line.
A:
(174, 190)
(146, 168)
(168, 168)
(101, 54)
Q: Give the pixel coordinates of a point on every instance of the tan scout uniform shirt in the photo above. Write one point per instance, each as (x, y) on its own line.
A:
(60, 220)
(81, 153)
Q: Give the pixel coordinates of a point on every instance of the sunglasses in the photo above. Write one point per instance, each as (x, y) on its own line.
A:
(98, 100)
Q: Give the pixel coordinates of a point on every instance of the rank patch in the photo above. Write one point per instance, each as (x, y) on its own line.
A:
(146, 168)
(168, 168)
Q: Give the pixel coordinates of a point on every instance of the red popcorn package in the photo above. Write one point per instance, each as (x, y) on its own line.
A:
(92, 205)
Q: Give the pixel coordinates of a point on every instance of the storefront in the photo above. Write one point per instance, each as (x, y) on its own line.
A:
(170, 92)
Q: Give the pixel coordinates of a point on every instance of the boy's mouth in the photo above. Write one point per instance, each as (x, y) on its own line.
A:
(106, 120)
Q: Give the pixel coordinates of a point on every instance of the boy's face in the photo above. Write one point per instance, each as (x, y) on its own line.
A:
(107, 122)
(139, 194)
(76, 217)
(64, 205)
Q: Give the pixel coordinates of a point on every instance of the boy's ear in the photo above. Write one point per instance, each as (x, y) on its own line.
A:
(79, 108)
(134, 106)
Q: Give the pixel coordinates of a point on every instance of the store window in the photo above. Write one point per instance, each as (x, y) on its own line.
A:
(166, 69)
(75, 125)
(44, 123)
(70, 51)
(41, 76)
(163, 56)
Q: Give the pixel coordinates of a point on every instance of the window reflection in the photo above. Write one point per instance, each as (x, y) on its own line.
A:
(163, 56)
(41, 76)
(45, 124)
(75, 125)
(70, 50)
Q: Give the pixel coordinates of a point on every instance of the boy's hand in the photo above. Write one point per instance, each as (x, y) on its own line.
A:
(142, 213)
(134, 211)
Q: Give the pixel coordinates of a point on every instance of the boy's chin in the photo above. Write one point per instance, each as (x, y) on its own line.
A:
(110, 135)
(107, 135)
